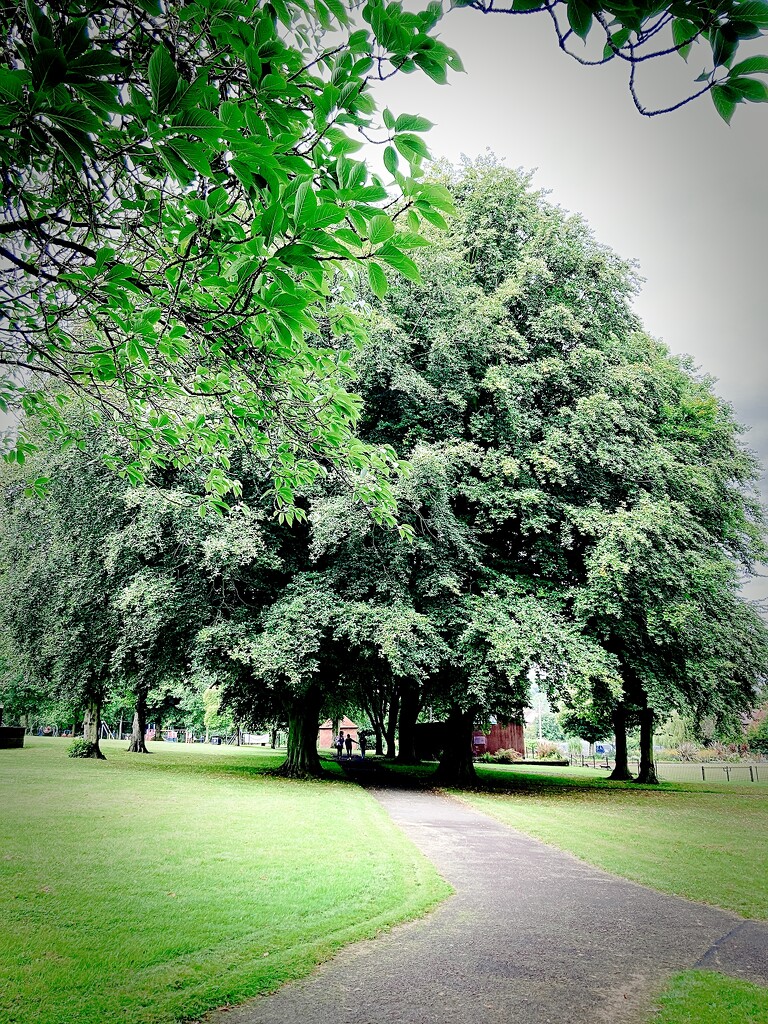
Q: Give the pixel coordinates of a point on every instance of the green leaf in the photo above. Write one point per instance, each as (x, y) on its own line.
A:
(526, 5)
(754, 11)
(412, 147)
(271, 222)
(396, 259)
(433, 217)
(49, 69)
(11, 86)
(377, 279)
(339, 11)
(579, 17)
(96, 64)
(380, 229)
(683, 34)
(391, 159)
(723, 46)
(431, 67)
(412, 123)
(194, 155)
(305, 204)
(751, 66)
(74, 117)
(389, 118)
(752, 89)
(724, 105)
(163, 78)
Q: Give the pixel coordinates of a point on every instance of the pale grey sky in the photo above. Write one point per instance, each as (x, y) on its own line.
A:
(683, 194)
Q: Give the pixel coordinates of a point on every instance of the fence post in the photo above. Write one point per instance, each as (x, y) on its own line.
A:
(703, 776)
(727, 774)
(751, 774)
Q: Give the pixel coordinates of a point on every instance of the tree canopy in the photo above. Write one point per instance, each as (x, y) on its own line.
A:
(181, 207)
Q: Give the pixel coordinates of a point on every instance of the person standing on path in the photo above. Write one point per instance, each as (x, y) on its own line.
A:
(362, 743)
(339, 744)
(348, 742)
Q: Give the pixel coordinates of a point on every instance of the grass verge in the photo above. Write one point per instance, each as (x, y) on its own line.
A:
(699, 841)
(149, 889)
(703, 997)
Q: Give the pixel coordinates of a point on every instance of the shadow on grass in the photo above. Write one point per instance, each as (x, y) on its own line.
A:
(374, 771)
(518, 782)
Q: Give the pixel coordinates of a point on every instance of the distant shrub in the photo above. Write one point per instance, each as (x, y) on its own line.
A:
(757, 737)
(503, 756)
(81, 748)
(546, 751)
(574, 746)
(508, 756)
(688, 752)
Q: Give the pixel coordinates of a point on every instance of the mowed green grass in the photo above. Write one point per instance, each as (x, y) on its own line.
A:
(152, 888)
(702, 997)
(704, 842)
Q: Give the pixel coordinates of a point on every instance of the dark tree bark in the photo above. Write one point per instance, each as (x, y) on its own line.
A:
(159, 732)
(137, 744)
(273, 737)
(376, 711)
(302, 759)
(647, 773)
(92, 726)
(410, 705)
(391, 730)
(457, 766)
(621, 772)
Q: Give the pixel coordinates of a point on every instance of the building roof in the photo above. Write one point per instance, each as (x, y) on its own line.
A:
(344, 724)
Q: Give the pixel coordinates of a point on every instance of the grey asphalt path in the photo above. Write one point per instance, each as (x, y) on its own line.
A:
(531, 936)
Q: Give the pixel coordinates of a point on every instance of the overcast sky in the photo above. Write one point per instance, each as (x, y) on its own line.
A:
(683, 194)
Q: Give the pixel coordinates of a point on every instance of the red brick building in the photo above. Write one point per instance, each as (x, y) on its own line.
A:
(326, 735)
(502, 736)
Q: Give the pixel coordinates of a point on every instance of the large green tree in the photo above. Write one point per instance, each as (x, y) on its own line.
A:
(57, 619)
(597, 477)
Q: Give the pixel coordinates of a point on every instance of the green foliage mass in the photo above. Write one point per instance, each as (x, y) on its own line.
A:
(182, 203)
(580, 505)
(757, 736)
(181, 199)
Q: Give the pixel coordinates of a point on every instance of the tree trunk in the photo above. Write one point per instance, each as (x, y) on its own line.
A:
(273, 737)
(391, 729)
(406, 726)
(303, 724)
(457, 767)
(375, 713)
(137, 744)
(647, 772)
(159, 731)
(621, 772)
(92, 726)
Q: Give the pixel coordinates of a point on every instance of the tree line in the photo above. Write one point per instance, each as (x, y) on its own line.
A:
(574, 502)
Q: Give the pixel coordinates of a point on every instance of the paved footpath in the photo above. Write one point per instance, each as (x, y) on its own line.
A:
(531, 936)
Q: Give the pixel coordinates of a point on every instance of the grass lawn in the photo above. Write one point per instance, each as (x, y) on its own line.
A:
(149, 889)
(704, 842)
(702, 997)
